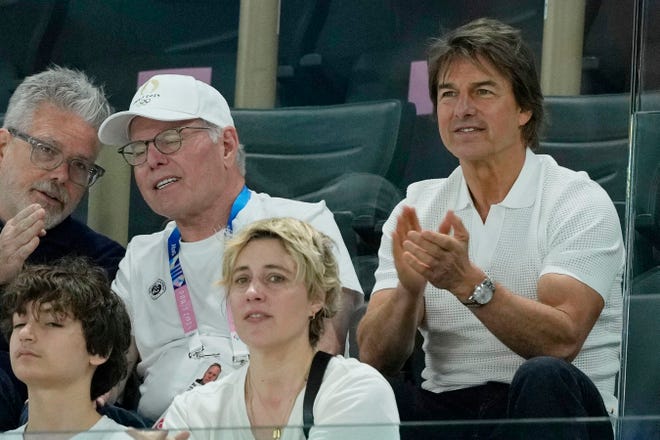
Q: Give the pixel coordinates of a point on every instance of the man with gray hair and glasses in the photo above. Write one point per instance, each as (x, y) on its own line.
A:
(48, 146)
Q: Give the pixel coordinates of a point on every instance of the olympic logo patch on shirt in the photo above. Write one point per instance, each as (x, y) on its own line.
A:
(157, 289)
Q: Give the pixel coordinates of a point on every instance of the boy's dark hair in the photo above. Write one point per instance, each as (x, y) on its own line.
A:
(502, 46)
(74, 287)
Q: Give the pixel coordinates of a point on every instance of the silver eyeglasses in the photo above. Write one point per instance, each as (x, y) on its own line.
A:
(49, 157)
(167, 142)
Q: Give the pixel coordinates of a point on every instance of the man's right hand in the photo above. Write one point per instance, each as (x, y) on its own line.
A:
(386, 333)
(18, 239)
(410, 279)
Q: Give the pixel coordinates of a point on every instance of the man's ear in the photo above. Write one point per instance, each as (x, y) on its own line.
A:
(5, 137)
(230, 141)
(524, 117)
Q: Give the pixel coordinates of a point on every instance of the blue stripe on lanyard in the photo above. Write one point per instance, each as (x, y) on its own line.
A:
(176, 271)
(239, 204)
(174, 240)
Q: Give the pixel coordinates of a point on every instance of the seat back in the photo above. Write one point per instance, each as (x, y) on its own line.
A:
(353, 156)
(590, 133)
(295, 152)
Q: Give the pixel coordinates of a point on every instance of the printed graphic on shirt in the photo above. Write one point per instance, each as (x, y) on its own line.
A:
(211, 375)
(157, 289)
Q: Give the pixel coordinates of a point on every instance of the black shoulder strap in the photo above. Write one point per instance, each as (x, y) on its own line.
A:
(316, 372)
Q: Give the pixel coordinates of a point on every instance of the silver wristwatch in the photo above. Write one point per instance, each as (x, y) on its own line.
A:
(482, 294)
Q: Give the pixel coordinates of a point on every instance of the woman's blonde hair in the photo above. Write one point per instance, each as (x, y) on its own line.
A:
(311, 250)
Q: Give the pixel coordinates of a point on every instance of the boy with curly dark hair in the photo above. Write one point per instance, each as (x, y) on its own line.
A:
(68, 335)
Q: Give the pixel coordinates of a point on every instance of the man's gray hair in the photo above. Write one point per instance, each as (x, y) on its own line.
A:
(68, 89)
(214, 134)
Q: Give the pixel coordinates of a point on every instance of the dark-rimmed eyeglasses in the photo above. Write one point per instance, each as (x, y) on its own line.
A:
(48, 157)
(167, 142)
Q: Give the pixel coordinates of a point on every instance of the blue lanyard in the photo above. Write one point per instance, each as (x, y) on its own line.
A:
(240, 202)
(182, 296)
(174, 240)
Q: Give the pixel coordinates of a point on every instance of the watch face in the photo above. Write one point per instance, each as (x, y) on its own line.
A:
(483, 293)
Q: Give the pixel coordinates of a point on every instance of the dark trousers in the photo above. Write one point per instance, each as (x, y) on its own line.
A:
(542, 388)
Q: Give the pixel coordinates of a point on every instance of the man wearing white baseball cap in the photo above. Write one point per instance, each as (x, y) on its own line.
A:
(179, 137)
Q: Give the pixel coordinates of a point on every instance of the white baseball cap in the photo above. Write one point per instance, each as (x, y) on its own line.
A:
(168, 97)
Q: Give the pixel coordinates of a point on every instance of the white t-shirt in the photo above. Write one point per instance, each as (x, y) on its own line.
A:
(104, 429)
(353, 402)
(553, 220)
(144, 283)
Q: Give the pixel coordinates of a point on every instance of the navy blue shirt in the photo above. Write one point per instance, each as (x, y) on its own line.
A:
(74, 238)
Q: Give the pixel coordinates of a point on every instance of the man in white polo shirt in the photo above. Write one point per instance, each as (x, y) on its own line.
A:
(511, 267)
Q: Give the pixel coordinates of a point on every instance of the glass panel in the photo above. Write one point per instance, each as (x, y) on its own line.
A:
(624, 428)
(640, 381)
(648, 41)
